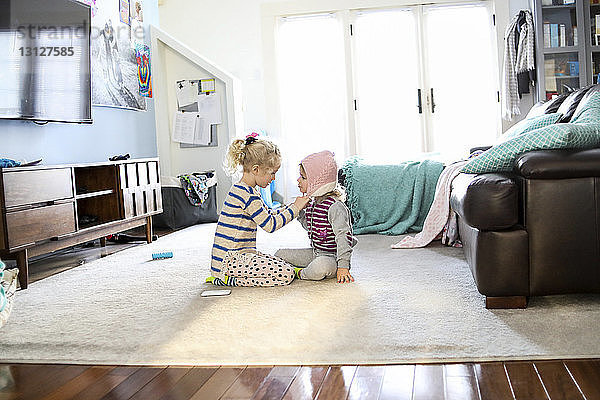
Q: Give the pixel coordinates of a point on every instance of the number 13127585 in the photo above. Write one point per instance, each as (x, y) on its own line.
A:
(47, 51)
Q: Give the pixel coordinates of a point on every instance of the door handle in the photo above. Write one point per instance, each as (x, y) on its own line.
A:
(419, 103)
(432, 102)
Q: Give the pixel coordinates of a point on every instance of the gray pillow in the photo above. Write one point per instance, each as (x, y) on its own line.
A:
(547, 107)
(584, 100)
(568, 107)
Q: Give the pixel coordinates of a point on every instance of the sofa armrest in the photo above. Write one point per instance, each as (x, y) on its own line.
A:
(486, 201)
(558, 164)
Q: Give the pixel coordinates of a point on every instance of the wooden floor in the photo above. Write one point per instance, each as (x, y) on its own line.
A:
(574, 379)
(569, 379)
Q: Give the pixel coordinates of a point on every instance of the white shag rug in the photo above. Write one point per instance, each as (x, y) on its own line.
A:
(416, 305)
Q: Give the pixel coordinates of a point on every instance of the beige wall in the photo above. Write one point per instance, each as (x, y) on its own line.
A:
(228, 33)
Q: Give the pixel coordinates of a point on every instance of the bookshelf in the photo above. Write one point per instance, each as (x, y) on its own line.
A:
(567, 45)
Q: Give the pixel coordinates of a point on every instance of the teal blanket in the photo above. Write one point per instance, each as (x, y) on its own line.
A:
(390, 199)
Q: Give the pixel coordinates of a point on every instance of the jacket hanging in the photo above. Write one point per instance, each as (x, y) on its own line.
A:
(519, 57)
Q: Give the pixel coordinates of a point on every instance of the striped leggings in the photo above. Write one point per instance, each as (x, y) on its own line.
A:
(253, 268)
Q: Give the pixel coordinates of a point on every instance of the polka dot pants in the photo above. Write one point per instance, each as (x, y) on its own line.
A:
(257, 269)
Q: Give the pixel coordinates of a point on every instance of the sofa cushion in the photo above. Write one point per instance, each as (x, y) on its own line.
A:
(486, 201)
(584, 101)
(568, 107)
(588, 110)
(527, 125)
(556, 136)
(547, 107)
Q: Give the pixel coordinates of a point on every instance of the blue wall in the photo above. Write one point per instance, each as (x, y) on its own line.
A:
(114, 131)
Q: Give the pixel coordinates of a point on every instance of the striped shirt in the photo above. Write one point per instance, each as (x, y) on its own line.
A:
(319, 227)
(244, 210)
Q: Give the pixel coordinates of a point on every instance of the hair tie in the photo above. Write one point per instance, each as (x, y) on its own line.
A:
(251, 138)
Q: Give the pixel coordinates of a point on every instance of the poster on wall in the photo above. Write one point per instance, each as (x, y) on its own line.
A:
(135, 8)
(124, 11)
(114, 65)
(142, 55)
(92, 4)
(136, 19)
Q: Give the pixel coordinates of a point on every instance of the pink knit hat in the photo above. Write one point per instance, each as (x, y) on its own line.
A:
(321, 173)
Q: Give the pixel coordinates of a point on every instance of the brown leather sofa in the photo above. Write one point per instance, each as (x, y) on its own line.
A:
(534, 231)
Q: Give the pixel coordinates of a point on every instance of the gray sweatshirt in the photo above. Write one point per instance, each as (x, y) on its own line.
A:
(338, 216)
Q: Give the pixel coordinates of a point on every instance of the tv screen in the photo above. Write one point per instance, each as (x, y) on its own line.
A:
(45, 60)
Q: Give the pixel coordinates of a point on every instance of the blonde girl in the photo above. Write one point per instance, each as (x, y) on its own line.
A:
(235, 260)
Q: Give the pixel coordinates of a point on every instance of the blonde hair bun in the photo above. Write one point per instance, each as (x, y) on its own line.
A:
(249, 152)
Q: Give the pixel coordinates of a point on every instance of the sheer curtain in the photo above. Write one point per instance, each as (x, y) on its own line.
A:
(312, 89)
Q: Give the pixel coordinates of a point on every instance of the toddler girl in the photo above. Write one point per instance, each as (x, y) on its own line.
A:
(327, 221)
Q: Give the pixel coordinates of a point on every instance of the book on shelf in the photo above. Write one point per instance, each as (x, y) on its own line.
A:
(553, 35)
(549, 71)
(573, 68)
(597, 20)
(562, 35)
(546, 34)
(575, 39)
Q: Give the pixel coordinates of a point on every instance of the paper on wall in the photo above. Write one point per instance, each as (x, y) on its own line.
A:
(202, 132)
(209, 107)
(187, 92)
(184, 127)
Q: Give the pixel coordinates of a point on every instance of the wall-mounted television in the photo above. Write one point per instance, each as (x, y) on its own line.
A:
(45, 60)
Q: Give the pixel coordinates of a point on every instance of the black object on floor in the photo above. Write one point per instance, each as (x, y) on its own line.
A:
(88, 219)
(29, 163)
(179, 213)
(123, 238)
(120, 157)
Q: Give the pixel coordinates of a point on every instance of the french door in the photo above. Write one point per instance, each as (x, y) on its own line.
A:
(389, 85)
(387, 79)
(425, 81)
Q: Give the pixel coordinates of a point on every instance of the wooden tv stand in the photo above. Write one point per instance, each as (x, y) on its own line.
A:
(47, 208)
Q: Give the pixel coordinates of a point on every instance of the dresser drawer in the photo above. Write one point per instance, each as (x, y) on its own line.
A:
(37, 186)
(29, 226)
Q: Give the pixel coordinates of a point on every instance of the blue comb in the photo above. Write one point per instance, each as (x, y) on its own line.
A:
(165, 254)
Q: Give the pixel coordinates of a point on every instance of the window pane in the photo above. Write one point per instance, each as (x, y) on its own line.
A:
(460, 59)
(312, 86)
(387, 79)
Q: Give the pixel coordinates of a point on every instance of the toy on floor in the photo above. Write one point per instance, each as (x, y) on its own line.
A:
(220, 292)
(163, 255)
